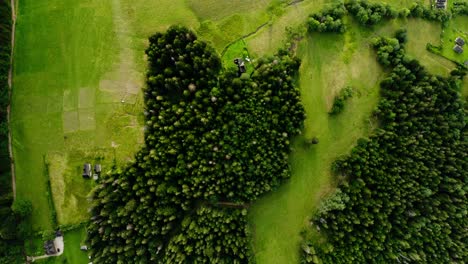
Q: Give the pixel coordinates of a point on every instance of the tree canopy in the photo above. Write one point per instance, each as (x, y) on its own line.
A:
(211, 139)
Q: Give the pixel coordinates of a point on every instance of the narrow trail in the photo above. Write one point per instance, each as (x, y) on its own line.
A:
(10, 83)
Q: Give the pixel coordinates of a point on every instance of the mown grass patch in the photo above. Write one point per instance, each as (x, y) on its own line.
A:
(458, 27)
(218, 10)
(72, 81)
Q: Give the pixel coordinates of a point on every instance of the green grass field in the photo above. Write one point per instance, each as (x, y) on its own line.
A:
(329, 63)
(79, 70)
(458, 27)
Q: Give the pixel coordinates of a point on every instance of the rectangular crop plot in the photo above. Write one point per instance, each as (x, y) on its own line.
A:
(70, 121)
(87, 98)
(87, 119)
(69, 100)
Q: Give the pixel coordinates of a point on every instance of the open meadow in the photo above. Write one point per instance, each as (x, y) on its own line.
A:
(79, 70)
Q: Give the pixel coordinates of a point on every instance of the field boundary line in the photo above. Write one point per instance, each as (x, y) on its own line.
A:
(10, 83)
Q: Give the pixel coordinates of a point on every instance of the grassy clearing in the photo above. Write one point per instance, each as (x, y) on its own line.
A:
(329, 63)
(270, 38)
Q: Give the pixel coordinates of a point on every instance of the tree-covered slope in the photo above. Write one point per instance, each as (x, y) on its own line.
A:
(213, 142)
(405, 200)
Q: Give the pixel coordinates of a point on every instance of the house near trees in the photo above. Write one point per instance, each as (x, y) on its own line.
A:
(50, 248)
(458, 49)
(240, 66)
(87, 170)
(459, 41)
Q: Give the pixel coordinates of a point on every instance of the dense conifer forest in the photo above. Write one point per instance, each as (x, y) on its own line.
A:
(404, 197)
(213, 143)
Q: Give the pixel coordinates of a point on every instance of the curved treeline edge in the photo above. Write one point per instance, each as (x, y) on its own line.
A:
(12, 230)
(405, 195)
(213, 143)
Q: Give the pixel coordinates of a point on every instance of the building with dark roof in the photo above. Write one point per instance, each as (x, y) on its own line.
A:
(240, 66)
(441, 3)
(458, 49)
(49, 247)
(97, 168)
(460, 41)
(87, 170)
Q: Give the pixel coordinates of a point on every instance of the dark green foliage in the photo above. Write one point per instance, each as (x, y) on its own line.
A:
(210, 138)
(340, 99)
(22, 208)
(11, 228)
(370, 13)
(460, 8)
(328, 20)
(406, 199)
(435, 14)
(194, 244)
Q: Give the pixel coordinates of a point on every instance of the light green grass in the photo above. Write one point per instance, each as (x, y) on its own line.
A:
(458, 27)
(73, 240)
(330, 62)
(271, 37)
(218, 10)
(72, 69)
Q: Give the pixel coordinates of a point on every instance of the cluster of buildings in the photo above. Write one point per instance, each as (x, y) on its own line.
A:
(88, 173)
(459, 43)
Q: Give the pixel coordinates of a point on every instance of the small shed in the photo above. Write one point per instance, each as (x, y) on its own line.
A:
(441, 3)
(84, 248)
(97, 168)
(460, 41)
(458, 49)
(87, 170)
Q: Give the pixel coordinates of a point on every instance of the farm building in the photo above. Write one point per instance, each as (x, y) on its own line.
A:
(441, 3)
(240, 66)
(97, 168)
(49, 247)
(458, 49)
(87, 170)
(460, 41)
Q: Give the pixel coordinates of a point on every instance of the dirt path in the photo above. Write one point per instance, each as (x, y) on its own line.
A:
(10, 82)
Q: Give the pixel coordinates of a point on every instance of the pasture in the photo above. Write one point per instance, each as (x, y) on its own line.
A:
(330, 62)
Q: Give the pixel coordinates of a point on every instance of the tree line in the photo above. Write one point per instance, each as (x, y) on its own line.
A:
(211, 139)
(404, 196)
(12, 227)
(366, 13)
